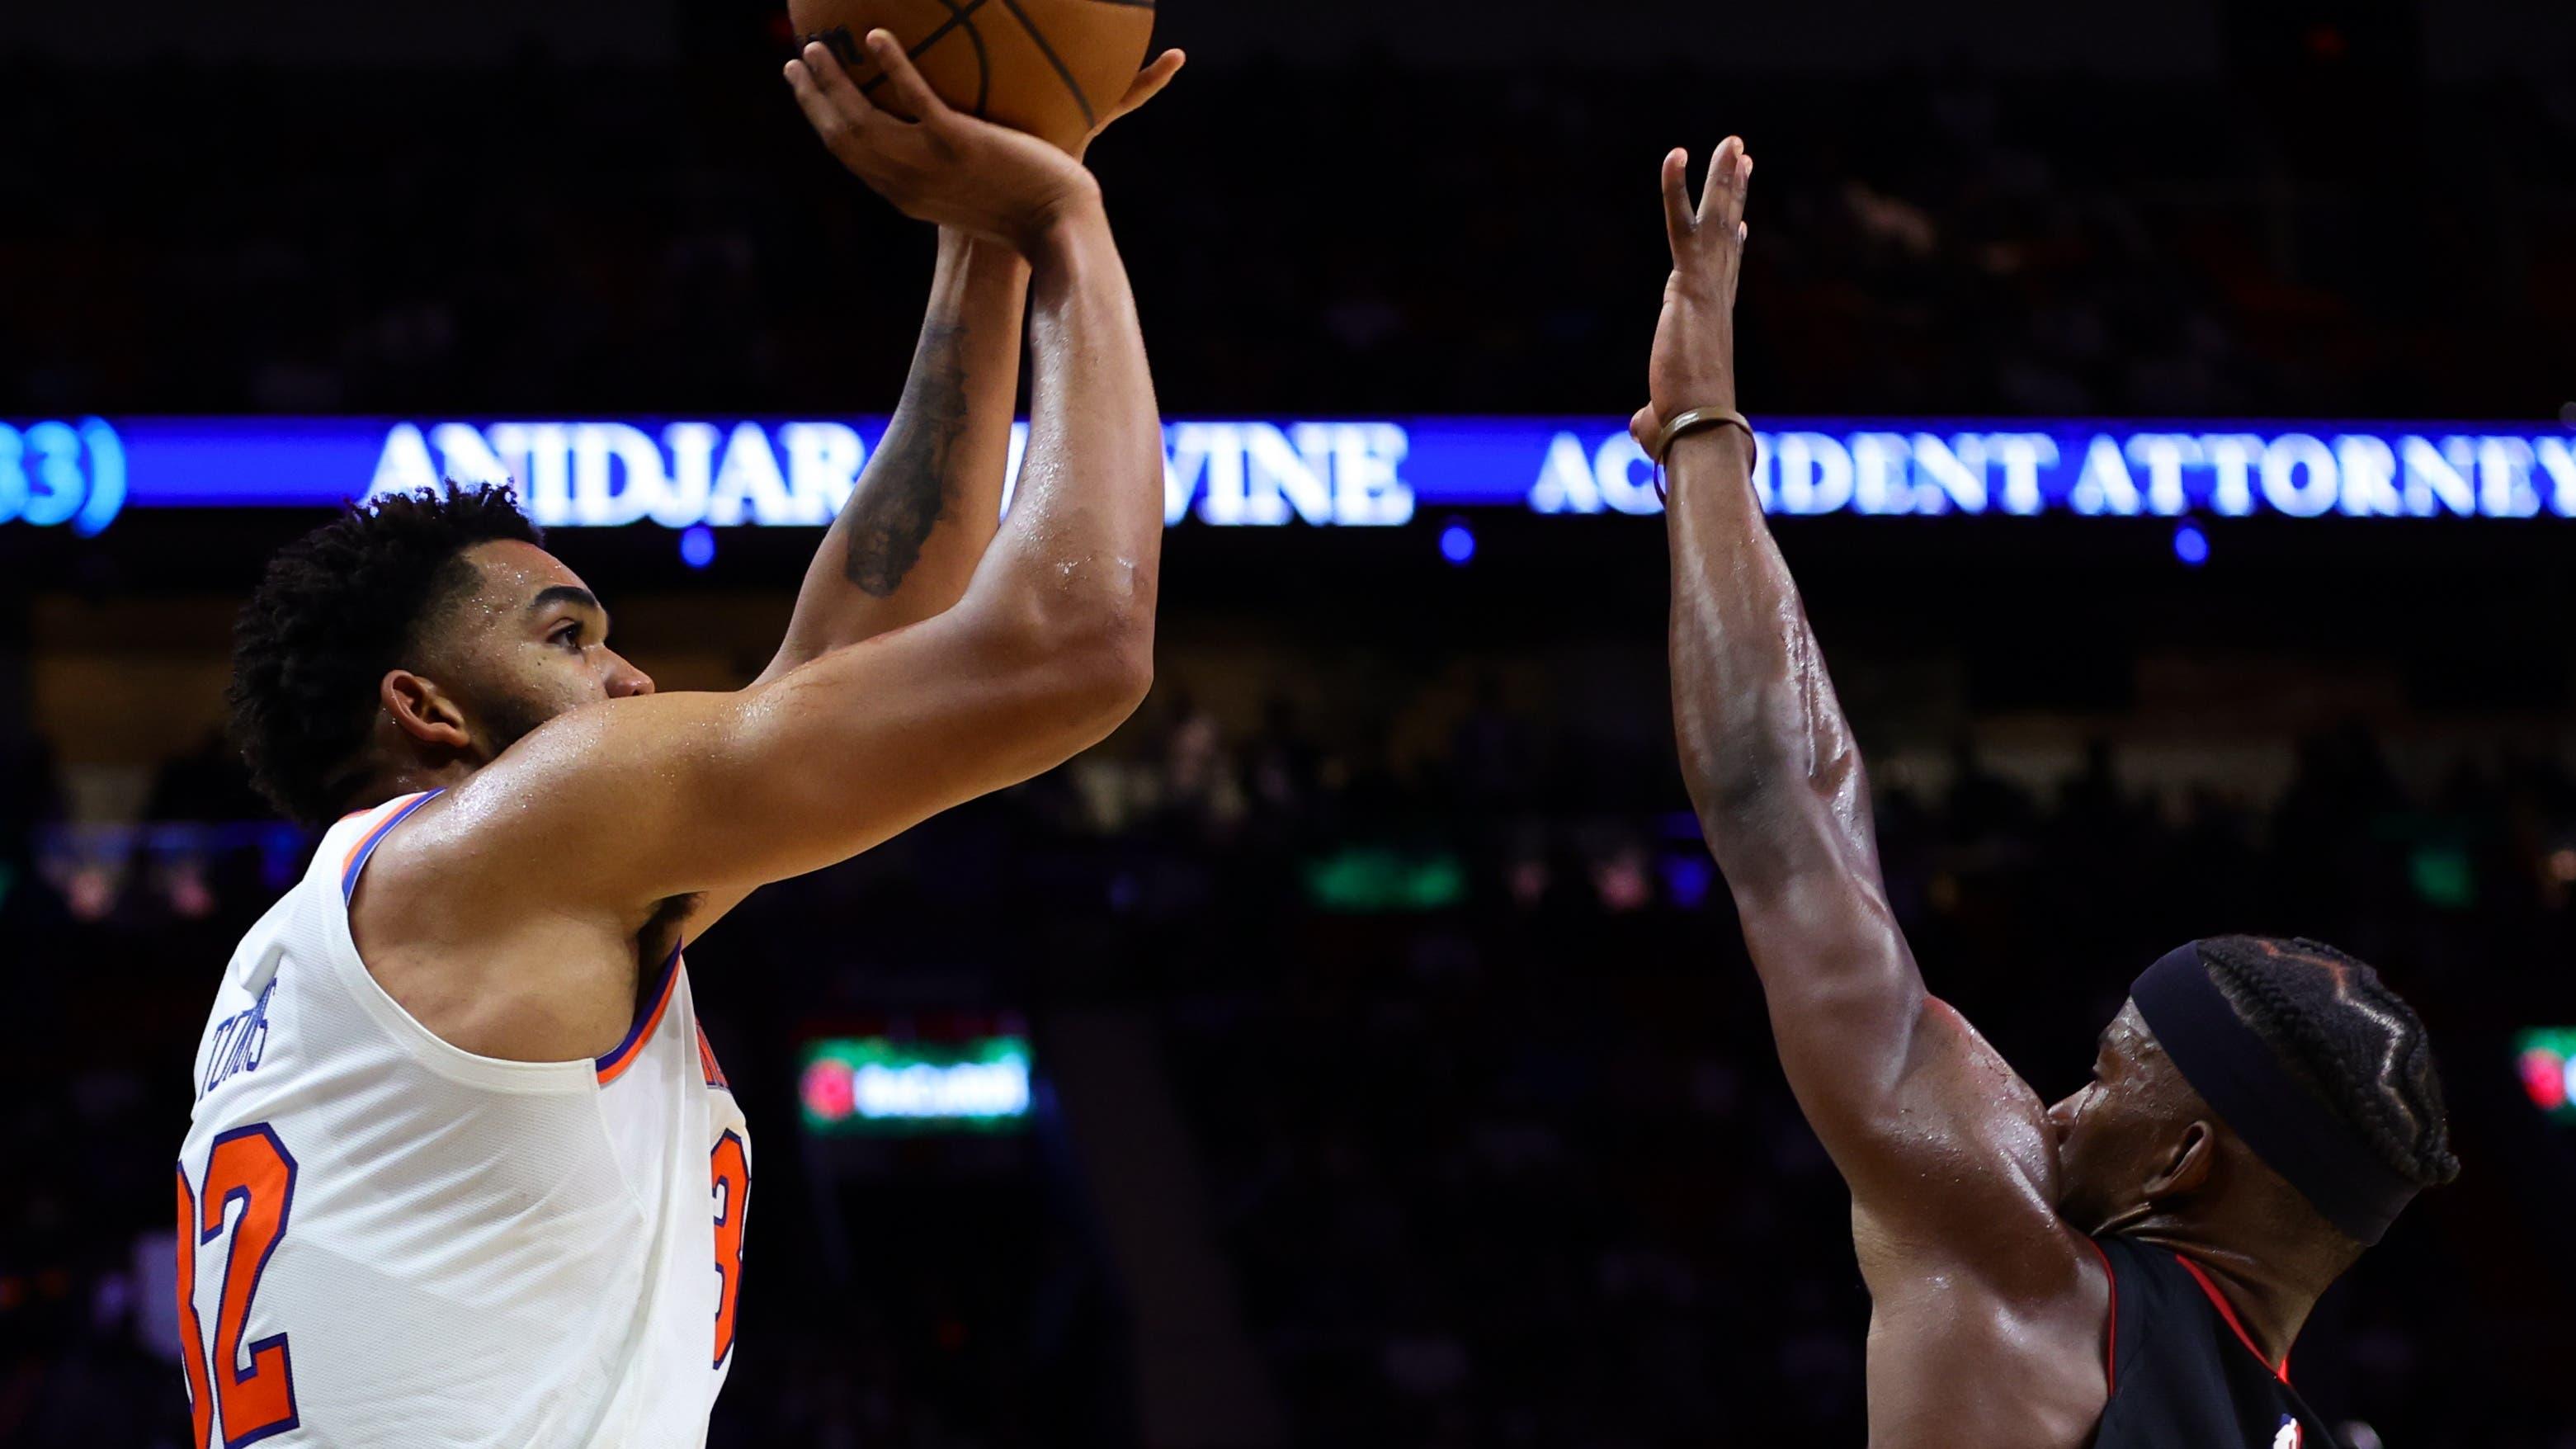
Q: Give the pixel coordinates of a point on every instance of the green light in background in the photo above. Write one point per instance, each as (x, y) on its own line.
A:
(2442, 876)
(1375, 882)
(2544, 1057)
(874, 1086)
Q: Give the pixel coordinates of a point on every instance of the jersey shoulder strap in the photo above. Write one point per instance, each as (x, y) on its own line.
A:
(2181, 1370)
(329, 887)
(347, 845)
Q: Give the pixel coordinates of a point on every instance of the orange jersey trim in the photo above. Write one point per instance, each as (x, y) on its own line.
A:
(356, 859)
(614, 1065)
(707, 1060)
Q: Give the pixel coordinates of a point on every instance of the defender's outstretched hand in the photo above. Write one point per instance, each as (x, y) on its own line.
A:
(1693, 365)
(947, 167)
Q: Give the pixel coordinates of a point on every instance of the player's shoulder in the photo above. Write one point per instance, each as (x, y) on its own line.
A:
(1990, 1354)
(490, 931)
(1963, 1112)
(475, 864)
(503, 828)
(2007, 1258)
(567, 794)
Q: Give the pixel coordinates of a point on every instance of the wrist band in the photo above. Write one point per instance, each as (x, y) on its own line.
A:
(1694, 420)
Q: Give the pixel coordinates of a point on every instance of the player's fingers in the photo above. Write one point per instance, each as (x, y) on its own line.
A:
(834, 82)
(1678, 219)
(1149, 82)
(1725, 185)
(834, 124)
(910, 89)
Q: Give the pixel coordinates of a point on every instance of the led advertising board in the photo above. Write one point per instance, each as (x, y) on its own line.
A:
(1331, 473)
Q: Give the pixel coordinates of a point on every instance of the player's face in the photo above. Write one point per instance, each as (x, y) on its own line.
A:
(531, 643)
(2113, 1135)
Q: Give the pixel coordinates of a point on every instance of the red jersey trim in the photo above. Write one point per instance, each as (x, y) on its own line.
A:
(2218, 1300)
(2110, 1324)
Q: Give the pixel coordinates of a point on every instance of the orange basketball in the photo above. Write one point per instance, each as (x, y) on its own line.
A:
(1047, 67)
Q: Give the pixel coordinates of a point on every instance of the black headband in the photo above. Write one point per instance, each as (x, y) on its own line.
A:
(2237, 1073)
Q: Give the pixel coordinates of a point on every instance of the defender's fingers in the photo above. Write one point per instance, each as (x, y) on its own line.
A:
(833, 80)
(1725, 183)
(1738, 188)
(1149, 82)
(1644, 426)
(1678, 218)
(909, 88)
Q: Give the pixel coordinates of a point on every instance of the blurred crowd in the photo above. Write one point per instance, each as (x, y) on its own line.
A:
(1477, 1075)
(1479, 1081)
(549, 239)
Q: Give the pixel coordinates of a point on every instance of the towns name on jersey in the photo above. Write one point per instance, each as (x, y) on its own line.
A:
(1366, 474)
(239, 1042)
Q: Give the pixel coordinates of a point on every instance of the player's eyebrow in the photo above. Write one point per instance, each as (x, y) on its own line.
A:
(572, 594)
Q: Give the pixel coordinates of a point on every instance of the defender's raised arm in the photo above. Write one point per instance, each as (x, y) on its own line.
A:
(1895, 1083)
(1769, 758)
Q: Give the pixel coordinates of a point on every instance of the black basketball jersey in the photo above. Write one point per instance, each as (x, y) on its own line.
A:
(2183, 1373)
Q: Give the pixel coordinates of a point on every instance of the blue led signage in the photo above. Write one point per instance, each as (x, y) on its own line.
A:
(682, 473)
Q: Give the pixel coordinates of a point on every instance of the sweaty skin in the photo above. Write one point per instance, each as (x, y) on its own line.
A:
(1987, 1329)
(1972, 1206)
(590, 825)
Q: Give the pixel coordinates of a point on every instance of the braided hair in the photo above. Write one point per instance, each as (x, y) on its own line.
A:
(336, 609)
(2346, 1037)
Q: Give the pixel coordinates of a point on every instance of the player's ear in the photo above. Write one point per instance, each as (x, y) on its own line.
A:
(2184, 1164)
(423, 711)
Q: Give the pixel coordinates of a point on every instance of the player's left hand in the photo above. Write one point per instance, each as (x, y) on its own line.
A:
(1693, 364)
(1148, 84)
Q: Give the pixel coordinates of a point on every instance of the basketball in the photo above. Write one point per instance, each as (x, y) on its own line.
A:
(1047, 67)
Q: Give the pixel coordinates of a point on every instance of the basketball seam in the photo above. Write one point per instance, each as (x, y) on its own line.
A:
(958, 15)
(1090, 118)
(983, 61)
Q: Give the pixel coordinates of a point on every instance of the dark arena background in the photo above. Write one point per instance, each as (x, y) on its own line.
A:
(2169, 410)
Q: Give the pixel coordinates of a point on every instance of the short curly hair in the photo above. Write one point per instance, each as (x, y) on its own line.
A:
(336, 610)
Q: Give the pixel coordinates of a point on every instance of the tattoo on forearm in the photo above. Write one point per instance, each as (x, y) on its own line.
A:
(908, 487)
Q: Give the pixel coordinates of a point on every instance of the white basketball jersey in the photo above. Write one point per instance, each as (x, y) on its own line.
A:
(389, 1242)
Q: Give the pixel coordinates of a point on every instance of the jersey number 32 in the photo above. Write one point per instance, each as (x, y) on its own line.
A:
(258, 1397)
(253, 1386)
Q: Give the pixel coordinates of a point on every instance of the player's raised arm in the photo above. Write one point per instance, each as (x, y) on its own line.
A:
(929, 500)
(1895, 1083)
(640, 800)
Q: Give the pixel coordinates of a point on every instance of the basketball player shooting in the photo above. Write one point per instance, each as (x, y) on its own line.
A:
(462, 1169)
(2128, 1268)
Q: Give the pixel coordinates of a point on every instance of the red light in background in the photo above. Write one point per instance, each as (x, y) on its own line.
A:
(828, 1091)
(2544, 1077)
